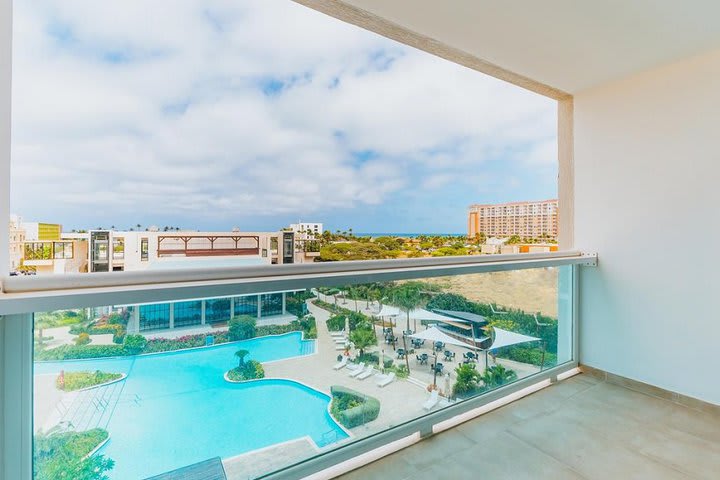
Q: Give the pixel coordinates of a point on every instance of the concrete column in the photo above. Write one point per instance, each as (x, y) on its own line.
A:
(259, 306)
(172, 315)
(202, 312)
(232, 307)
(283, 301)
(136, 320)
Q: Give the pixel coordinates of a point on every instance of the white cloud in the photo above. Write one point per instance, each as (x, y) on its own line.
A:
(158, 108)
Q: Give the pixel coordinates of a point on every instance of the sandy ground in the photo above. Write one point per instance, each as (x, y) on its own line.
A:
(532, 290)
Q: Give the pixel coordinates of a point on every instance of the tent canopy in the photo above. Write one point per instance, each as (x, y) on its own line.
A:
(464, 316)
(387, 311)
(504, 338)
(434, 334)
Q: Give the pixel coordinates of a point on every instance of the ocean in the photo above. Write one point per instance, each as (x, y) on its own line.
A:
(408, 235)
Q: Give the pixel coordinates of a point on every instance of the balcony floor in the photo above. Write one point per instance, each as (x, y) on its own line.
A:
(581, 428)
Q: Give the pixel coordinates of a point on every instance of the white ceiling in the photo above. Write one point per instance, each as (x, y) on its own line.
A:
(566, 44)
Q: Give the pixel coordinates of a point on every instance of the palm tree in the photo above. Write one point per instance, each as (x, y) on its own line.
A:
(138, 226)
(362, 338)
(408, 296)
(497, 375)
(241, 354)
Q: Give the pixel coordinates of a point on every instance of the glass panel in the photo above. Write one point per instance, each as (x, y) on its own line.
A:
(118, 248)
(169, 390)
(246, 305)
(187, 313)
(144, 249)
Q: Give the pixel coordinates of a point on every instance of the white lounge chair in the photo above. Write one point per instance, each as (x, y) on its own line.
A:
(367, 373)
(432, 401)
(355, 366)
(341, 333)
(384, 380)
(354, 372)
(340, 340)
(341, 363)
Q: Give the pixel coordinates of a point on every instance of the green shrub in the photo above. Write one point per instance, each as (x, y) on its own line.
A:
(68, 352)
(373, 358)
(134, 344)
(249, 370)
(82, 339)
(63, 456)
(241, 328)
(71, 381)
(401, 370)
(531, 355)
(352, 408)
(467, 381)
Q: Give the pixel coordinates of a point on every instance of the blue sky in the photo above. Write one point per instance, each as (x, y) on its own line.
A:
(256, 114)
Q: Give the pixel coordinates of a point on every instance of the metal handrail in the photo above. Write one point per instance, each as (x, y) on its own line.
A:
(41, 293)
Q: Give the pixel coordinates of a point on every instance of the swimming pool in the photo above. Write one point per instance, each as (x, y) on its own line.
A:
(175, 408)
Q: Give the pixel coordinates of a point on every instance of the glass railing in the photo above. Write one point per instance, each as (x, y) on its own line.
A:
(255, 382)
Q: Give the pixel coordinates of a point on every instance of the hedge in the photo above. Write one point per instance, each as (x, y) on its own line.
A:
(352, 408)
(64, 456)
(67, 352)
(251, 370)
(71, 381)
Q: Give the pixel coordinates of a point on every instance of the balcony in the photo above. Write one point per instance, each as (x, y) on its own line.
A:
(361, 373)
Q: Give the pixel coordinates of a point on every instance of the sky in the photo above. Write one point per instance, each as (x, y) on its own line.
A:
(213, 114)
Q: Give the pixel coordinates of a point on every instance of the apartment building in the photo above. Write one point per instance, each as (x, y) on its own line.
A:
(308, 229)
(525, 219)
(16, 239)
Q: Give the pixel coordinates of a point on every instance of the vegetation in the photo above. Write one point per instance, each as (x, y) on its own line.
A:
(71, 381)
(468, 380)
(363, 338)
(64, 456)
(82, 339)
(241, 328)
(352, 408)
(134, 344)
(497, 375)
(246, 370)
(409, 296)
(295, 302)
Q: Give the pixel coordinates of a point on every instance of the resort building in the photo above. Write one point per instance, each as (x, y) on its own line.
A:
(16, 238)
(308, 229)
(524, 219)
(117, 251)
(267, 309)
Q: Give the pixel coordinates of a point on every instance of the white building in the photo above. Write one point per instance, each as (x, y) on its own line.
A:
(16, 238)
(308, 229)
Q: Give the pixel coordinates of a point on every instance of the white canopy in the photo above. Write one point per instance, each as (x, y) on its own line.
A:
(387, 311)
(504, 338)
(415, 314)
(434, 334)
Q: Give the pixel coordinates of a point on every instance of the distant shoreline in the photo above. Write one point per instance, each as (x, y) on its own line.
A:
(409, 235)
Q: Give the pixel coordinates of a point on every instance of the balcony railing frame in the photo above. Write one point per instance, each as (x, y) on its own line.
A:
(19, 297)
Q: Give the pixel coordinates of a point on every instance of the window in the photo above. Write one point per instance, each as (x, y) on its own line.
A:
(271, 304)
(144, 249)
(217, 310)
(153, 317)
(63, 250)
(38, 251)
(187, 313)
(246, 305)
(118, 247)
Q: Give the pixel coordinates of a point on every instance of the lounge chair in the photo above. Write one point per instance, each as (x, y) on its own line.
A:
(432, 401)
(367, 373)
(383, 380)
(340, 333)
(342, 363)
(354, 372)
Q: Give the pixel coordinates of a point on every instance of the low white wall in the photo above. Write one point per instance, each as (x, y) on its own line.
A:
(647, 180)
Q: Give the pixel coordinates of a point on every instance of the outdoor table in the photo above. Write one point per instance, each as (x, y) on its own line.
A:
(438, 367)
(408, 332)
(439, 346)
(401, 353)
(423, 359)
(449, 355)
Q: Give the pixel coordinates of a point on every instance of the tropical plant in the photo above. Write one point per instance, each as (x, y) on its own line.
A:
(241, 354)
(497, 375)
(134, 344)
(250, 370)
(467, 381)
(82, 339)
(71, 381)
(65, 456)
(408, 296)
(363, 338)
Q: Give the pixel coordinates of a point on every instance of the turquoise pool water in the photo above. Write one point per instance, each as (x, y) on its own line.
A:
(175, 408)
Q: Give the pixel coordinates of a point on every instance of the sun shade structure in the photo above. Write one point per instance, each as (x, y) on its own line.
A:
(387, 311)
(504, 338)
(463, 316)
(434, 334)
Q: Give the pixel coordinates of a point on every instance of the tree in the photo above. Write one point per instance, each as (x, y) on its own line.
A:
(134, 344)
(241, 354)
(514, 239)
(363, 338)
(408, 296)
(241, 328)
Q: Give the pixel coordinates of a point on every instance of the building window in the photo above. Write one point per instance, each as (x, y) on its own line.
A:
(118, 247)
(271, 304)
(246, 305)
(144, 249)
(63, 250)
(38, 251)
(217, 310)
(153, 317)
(187, 313)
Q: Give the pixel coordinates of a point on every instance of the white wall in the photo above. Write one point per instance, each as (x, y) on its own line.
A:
(647, 178)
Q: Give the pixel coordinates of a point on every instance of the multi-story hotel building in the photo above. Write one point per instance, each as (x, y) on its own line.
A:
(525, 219)
(17, 237)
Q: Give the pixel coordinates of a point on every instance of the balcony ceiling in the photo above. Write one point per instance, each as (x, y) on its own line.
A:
(570, 45)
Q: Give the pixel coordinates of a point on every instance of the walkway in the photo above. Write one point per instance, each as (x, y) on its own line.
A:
(581, 428)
